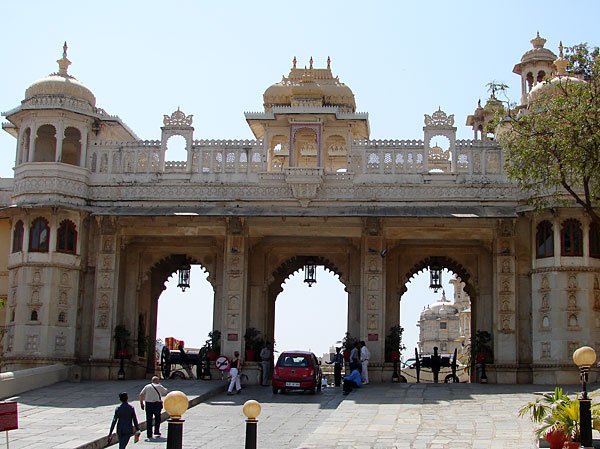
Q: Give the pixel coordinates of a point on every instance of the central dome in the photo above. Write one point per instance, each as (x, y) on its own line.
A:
(310, 87)
(61, 84)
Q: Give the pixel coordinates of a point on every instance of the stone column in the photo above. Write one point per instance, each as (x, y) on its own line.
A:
(105, 294)
(234, 304)
(60, 135)
(505, 303)
(372, 306)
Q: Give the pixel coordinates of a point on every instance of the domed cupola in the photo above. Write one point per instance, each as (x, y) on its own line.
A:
(309, 87)
(561, 78)
(60, 84)
(536, 64)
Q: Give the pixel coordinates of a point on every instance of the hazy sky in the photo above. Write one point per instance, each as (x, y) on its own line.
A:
(144, 59)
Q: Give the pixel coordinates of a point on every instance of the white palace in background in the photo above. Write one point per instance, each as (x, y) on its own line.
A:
(95, 221)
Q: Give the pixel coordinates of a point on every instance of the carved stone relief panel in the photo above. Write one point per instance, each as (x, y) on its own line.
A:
(573, 322)
(373, 282)
(506, 265)
(35, 297)
(572, 282)
(372, 302)
(232, 321)
(546, 350)
(104, 302)
(545, 305)
(374, 264)
(15, 277)
(545, 323)
(32, 342)
(60, 343)
(63, 299)
(107, 244)
(372, 321)
(64, 278)
(37, 277)
(235, 282)
(102, 321)
(233, 303)
(545, 284)
(572, 302)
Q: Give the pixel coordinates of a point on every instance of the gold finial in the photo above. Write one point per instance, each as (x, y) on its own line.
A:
(311, 63)
(64, 63)
(560, 49)
(294, 63)
(561, 63)
(537, 41)
(328, 63)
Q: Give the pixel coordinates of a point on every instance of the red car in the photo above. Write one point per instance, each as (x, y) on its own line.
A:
(297, 370)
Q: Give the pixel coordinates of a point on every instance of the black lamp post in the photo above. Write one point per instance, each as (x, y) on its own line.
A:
(184, 277)
(310, 269)
(251, 409)
(176, 404)
(435, 276)
(584, 358)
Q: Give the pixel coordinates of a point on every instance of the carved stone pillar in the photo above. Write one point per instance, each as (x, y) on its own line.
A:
(372, 308)
(105, 293)
(234, 287)
(505, 282)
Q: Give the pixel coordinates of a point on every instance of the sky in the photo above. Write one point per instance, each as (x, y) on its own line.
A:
(144, 59)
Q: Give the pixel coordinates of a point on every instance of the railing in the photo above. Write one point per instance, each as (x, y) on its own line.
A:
(384, 157)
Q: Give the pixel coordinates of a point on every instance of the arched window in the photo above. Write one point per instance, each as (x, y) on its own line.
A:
(595, 240)
(66, 241)
(544, 238)
(571, 238)
(71, 147)
(45, 144)
(39, 235)
(34, 315)
(18, 237)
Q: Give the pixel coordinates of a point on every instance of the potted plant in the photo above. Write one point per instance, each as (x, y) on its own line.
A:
(213, 345)
(393, 344)
(348, 342)
(121, 337)
(557, 416)
(480, 352)
(252, 340)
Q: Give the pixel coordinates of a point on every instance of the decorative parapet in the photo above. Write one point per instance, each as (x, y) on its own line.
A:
(305, 182)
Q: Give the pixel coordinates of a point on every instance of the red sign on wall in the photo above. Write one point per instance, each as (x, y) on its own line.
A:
(373, 337)
(8, 416)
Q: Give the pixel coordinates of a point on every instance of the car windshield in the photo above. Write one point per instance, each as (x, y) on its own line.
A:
(293, 361)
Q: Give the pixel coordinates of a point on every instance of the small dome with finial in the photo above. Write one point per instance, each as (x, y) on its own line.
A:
(560, 78)
(61, 84)
(537, 54)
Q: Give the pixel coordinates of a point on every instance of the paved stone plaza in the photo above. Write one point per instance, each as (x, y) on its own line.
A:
(415, 416)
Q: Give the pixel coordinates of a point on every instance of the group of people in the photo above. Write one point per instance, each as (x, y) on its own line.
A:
(125, 419)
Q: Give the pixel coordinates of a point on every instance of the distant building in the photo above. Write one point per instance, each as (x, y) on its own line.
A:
(446, 324)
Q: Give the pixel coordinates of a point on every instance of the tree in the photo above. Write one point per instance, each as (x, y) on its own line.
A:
(553, 146)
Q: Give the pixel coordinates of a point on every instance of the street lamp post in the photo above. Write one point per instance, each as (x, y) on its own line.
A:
(176, 404)
(251, 409)
(584, 358)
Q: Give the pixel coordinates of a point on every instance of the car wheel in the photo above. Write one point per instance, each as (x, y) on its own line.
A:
(177, 375)
(275, 390)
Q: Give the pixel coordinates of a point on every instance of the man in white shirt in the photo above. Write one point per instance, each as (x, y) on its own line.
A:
(151, 400)
(365, 355)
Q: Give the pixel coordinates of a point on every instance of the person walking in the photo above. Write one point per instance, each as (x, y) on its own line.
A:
(234, 373)
(365, 355)
(125, 420)
(151, 400)
(265, 363)
(338, 363)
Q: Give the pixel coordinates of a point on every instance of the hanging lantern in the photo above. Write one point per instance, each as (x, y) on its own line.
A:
(310, 271)
(435, 276)
(184, 277)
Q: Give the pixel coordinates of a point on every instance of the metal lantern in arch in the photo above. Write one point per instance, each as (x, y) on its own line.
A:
(310, 272)
(435, 276)
(184, 277)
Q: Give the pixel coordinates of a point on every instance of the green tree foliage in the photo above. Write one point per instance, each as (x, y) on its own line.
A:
(553, 146)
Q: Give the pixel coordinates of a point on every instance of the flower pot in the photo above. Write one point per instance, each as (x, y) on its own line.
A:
(556, 439)
(571, 445)
(212, 355)
(250, 355)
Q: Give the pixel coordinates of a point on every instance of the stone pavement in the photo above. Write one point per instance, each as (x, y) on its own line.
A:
(385, 416)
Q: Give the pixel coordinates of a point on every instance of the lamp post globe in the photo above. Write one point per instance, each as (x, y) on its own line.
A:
(584, 357)
(251, 409)
(176, 404)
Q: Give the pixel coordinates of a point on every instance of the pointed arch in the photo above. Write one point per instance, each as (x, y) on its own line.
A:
(445, 262)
